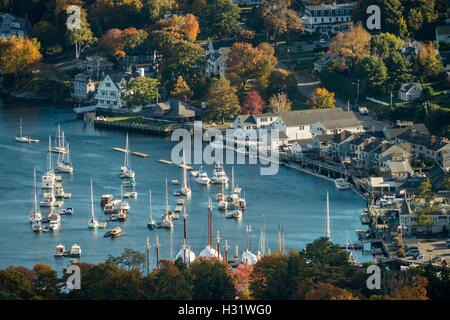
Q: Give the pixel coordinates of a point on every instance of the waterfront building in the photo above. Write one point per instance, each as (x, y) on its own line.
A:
(172, 110)
(83, 86)
(398, 169)
(11, 26)
(328, 18)
(110, 90)
(440, 221)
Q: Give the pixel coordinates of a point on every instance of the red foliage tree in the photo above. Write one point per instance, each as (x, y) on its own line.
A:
(252, 103)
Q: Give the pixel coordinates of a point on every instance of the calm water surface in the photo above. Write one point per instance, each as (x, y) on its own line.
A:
(292, 199)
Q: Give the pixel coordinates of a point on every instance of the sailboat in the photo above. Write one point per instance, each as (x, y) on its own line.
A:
(185, 254)
(21, 138)
(209, 251)
(49, 178)
(92, 223)
(167, 215)
(185, 190)
(125, 170)
(328, 219)
(248, 257)
(151, 223)
(35, 213)
(64, 164)
(59, 142)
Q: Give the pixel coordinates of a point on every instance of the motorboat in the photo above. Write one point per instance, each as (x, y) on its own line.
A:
(112, 206)
(132, 194)
(341, 184)
(75, 251)
(54, 216)
(219, 175)
(167, 223)
(48, 200)
(237, 214)
(122, 215)
(114, 232)
(241, 203)
(202, 177)
(106, 198)
(54, 225)
(36, 226)
(59, 251)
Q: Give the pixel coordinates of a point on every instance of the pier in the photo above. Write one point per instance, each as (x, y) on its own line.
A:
(134, 127)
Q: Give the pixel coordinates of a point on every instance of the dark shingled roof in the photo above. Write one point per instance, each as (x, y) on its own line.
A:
(217, 44)
(423, 140)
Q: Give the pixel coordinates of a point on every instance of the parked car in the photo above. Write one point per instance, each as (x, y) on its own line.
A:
(419, 256)
(322, 40)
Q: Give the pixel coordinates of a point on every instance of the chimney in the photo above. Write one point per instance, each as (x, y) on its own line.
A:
(433, 139)
(383, 146)
(366, 142)
(323, 132)
(403, 157)
(342, 136)
(413, 132)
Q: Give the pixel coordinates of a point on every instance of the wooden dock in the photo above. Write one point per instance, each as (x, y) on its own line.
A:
(175, 216)
(120, 149)
(58, 178)
(67, 195)
(59, 203)
(180, 202)
(165, 161)
(178, 208)
(140, 154)
(185, 166)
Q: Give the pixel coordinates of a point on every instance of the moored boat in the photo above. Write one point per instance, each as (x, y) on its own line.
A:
(341, 184)
(202, 177)
(92, 223)
(59, 251)
(151, 223)
(219, 175)
(75, 251)
(106, 198)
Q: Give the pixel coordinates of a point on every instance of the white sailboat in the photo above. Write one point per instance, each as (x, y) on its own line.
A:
(125, 170)
(59, 142)
(167, 215)
(64, 163)
(21, 138)
(35, 213)
(185, 190)
(49, 178)
(185, 254)
(92, 223)
(151, 223)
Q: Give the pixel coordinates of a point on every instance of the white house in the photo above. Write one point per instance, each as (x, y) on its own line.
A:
(410, 91)
(216, 57)
(328, 18)
(12, 26)
(109, 92)
(83, 85)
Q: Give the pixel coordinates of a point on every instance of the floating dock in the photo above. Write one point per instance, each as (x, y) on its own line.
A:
(175, 182)
(67, 195)
(185, 166)
(177, 193)
(140, 154)
(175, 216)
(58, 178)
(165, 161)
(178, 208)
(58, 203)
(102, 225)
(180, 202)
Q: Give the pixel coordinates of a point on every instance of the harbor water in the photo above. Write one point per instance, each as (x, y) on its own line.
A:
(292, 199)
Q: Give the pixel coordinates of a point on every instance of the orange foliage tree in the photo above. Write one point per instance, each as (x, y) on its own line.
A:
(326, 291)
(19, 55)
(414, 290)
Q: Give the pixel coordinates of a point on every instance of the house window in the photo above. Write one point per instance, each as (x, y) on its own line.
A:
(108, 85)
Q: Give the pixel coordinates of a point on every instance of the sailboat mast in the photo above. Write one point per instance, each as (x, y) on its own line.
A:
(150, 201)
(21, 127)
(167, 199)
(35, 193)
(59, 135)
(218, 244)
(250, 237)
(157, 253)
(226, 251)
(92, 202)
(209, 222)
(328, 219)
(232, 179)
(49, 154)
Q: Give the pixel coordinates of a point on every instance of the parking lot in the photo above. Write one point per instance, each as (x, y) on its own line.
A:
(432, 248)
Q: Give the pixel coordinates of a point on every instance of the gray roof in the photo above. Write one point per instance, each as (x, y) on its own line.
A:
(323, 6)
(423, 140)
(330, 118)
(217, 44)
(410, 87)
(180, 109)
(399, 166)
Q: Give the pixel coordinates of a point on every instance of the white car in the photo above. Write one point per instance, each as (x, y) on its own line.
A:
(322, 41)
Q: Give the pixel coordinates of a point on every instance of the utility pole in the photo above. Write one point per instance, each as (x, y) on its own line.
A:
(391, 101)
(357, 91)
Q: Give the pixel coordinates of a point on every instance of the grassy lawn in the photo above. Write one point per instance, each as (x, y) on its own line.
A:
(126, 118)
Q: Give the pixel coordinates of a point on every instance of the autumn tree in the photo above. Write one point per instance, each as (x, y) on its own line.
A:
(131, 38)
(82, 37)
(46, 282)
(252, 104)
(212, 279)
(415, 289)
(245, 62)
(112, 40)
(129, 259)
(120, 14)
(321, 98)
(279, 18)
(181, 90)
(326, 291)
(14, 285)
(190, 27)
(19, 56)
(281, 80)
(430, 67)
(350, 48)
(221, 101)
(280, 103)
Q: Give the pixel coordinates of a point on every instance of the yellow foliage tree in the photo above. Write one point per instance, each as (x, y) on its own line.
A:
(321, 98)
(19, 55)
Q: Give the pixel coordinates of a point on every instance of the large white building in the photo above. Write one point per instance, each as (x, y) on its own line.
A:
(328, 18)
(217, 56)
(109, 92)
(301, 124)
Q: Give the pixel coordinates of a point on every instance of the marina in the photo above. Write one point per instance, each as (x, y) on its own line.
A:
(301, 196)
